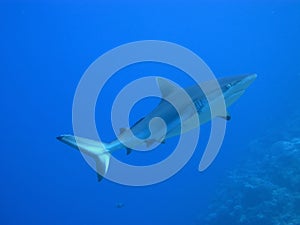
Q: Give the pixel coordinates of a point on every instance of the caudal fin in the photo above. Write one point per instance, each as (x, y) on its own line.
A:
(94, 149)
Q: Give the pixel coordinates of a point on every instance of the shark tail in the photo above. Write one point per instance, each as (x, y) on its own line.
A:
(95, 149)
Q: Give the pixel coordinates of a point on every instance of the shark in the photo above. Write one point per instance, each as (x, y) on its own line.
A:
(171, 122)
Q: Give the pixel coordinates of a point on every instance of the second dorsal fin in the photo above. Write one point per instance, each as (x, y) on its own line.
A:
(122, 130)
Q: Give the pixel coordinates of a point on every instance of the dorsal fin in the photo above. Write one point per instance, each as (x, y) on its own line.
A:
(166, 87)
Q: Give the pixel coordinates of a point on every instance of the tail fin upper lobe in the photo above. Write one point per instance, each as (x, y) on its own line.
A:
(95, 149)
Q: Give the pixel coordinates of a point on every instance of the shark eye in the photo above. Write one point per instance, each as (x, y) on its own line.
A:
(228, 86)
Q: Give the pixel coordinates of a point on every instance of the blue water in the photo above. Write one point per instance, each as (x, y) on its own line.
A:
(45, 49)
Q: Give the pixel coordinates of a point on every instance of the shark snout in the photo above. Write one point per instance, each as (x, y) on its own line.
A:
(248, 80)
(251, 77)
(243, 82)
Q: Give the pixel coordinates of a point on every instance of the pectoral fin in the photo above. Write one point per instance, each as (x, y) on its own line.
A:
(227, 117)
(150, 142)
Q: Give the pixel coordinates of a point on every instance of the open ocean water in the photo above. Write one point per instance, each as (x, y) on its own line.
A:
(46, 46)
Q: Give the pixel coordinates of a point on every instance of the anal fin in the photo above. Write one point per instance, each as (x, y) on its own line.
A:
(122, 130)
(128, 151)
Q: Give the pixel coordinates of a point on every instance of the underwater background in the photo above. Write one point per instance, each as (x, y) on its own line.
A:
(46, 46)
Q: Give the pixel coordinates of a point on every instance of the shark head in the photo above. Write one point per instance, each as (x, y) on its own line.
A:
(234, 87)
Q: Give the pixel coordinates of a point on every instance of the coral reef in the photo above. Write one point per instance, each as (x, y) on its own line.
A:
(266, 189)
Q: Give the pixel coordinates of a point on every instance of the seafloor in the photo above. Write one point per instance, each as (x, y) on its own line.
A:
(265, 189)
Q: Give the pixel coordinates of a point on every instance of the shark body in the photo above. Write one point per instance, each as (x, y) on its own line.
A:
(168, 122)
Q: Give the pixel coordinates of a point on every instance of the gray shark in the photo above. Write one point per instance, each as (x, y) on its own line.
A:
(171, 123)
